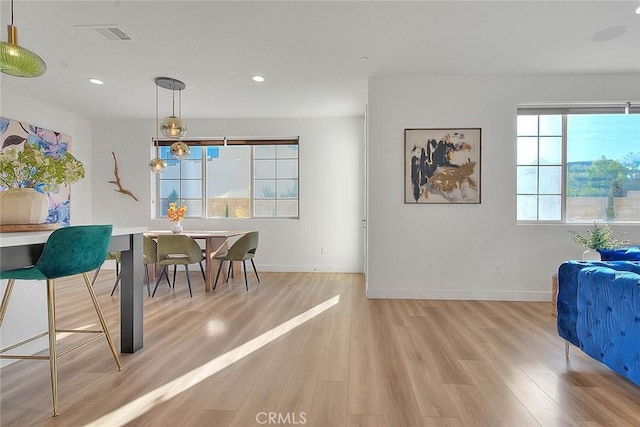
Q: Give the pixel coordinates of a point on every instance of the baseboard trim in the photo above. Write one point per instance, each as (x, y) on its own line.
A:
(307, 268)
(460, 294)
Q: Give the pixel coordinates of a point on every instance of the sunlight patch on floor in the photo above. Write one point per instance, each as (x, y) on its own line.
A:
(146, 402)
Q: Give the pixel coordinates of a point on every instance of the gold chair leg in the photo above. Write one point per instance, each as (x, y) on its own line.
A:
(53, 361)
(102, 320)
(5, 299)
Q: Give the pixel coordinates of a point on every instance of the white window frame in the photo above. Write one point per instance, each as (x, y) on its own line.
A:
(564, 110)
(203, 144)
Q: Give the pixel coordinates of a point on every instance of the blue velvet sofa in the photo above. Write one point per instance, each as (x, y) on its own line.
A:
(599, 311)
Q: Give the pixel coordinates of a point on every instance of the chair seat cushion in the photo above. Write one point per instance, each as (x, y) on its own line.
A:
(226, 257)
(176, 259)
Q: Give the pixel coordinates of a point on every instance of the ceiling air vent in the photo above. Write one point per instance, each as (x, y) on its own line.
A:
(103, 33)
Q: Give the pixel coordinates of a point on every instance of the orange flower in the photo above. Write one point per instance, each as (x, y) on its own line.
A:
(175, 213)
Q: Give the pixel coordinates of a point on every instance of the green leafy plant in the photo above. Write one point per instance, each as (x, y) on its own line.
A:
(599, 237)
(31, 168)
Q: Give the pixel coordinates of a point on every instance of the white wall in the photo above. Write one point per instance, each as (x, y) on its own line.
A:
(467, 251)
(18, 107)
(27, 312)
(331, 188)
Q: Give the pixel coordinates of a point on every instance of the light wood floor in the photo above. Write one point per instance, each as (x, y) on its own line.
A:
(361, 362)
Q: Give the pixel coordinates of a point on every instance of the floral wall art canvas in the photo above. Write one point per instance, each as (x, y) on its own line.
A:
(442, 165)
(54, 144)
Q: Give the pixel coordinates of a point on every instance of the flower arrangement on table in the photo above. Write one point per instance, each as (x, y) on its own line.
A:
(32, 168)
(175, 213)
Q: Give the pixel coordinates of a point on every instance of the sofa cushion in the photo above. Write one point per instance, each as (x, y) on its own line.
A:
(608, 322)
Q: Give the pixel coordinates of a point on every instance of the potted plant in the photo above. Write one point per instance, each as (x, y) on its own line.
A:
(600, 236)
(28, 174)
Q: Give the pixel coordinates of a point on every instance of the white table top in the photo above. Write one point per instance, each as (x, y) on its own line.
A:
(34, 237)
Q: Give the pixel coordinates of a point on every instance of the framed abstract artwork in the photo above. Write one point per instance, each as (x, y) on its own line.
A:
(54, 144)
(442, 165)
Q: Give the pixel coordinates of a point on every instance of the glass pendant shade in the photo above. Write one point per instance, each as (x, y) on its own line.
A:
(173, 127)
(18, 61)
(180, 150)
(157, 165)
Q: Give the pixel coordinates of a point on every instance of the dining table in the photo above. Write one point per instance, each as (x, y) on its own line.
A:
(22, 249)
(215, 241)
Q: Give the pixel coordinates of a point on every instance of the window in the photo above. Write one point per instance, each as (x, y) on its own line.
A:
(578, 165)
(243, 179)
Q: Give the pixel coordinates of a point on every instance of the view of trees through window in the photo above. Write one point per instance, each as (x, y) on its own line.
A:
(236, 181)
(578, 167)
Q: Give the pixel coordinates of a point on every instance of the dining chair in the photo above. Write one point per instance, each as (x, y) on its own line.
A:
(69, 251)
(178, 249)
(242, 250)
(111, 256)
(115, 256)
(150, 256)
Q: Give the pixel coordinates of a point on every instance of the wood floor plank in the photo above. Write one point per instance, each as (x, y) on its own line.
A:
(266, 391)
(335, 361)
(356, 420)
(329, 405)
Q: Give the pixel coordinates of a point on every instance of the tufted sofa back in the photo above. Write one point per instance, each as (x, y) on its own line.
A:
(568, 292)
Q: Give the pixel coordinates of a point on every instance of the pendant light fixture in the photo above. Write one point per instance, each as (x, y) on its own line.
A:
(172, 126)
(157, 165)
(180, 150)
(18, 61)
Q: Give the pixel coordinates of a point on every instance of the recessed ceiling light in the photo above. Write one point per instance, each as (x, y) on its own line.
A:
(257, 78)
(96, 81)
(364, 59)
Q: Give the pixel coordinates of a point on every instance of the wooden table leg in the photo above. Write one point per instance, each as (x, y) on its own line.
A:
(212, 247)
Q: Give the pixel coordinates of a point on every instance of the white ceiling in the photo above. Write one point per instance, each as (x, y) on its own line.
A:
(309, 52)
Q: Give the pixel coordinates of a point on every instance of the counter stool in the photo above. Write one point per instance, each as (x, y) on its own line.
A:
(68, 251)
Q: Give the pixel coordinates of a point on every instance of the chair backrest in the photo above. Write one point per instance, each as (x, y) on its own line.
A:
(179, 244)
(74, 250)
(149, 250)
(113, 256)
(247, 244)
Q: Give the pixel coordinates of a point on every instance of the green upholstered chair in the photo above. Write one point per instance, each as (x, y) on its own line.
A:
(178, 249)
(69, 251)
(111, 256)
(115, 256)
(242, 250)
(150, 256)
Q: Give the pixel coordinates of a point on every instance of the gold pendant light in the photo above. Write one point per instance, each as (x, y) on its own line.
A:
(172, 126)
(18, 61)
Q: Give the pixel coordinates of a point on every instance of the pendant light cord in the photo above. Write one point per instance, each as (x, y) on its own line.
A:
(157, 124)
(11, 12)
(173, 101)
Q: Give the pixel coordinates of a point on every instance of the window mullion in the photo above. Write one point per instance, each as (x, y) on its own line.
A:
(563, 189)
(203, 172)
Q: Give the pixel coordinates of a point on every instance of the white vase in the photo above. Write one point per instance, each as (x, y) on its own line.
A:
(591, 255)
(176, 227)
(23, 206)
